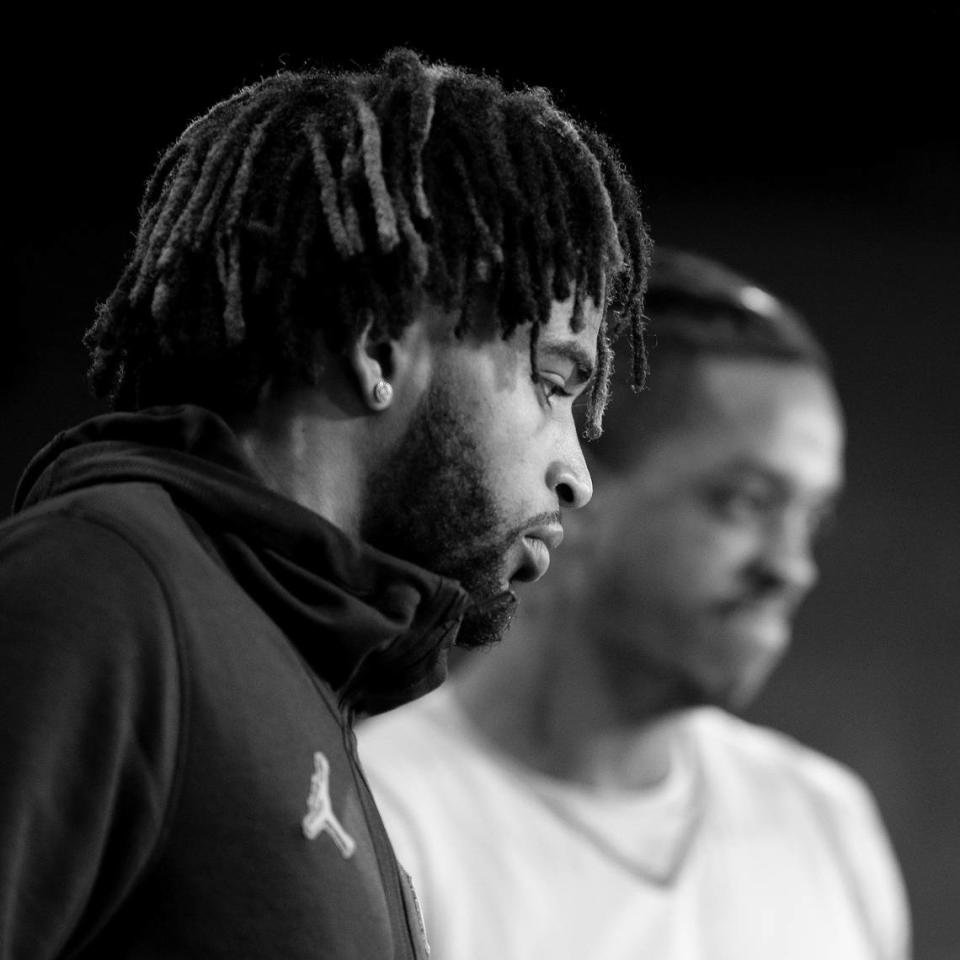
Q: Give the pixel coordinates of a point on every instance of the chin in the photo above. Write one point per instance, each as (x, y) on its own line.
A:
(487, 620)
(735, 686)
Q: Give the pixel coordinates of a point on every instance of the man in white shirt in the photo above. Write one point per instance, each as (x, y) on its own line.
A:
(587, 791)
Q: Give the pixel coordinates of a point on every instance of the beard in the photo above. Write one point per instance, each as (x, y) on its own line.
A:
(430, 502)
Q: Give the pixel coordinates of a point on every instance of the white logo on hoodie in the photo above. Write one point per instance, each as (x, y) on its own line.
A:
(320, 816)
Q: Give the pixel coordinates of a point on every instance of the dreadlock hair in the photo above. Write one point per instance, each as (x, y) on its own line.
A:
(697, 308)
(320, 201)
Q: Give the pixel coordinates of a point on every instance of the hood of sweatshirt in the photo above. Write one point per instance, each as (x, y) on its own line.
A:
(375, 627)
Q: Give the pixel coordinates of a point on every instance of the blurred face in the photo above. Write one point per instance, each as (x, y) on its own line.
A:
(706, 548)
(474, 489)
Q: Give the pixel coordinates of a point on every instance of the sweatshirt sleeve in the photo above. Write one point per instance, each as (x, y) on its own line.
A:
(89, 720)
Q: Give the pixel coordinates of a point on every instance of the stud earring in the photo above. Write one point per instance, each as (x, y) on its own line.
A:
(382, 393)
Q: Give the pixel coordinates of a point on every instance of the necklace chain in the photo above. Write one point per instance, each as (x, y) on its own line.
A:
(611, 852)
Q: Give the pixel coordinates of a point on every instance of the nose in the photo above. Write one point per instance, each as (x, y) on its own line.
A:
(787, 555)
(568, 474)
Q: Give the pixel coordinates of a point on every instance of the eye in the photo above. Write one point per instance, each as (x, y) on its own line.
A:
(550, 386)
(741, 503)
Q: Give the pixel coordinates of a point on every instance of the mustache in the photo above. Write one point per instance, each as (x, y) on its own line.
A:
(549, 518)
(498, 544)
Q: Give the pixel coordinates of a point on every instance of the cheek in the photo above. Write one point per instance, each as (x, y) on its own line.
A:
(707, 551)
(507, 457)
(677, 555)
(494, 416)
(519, 442)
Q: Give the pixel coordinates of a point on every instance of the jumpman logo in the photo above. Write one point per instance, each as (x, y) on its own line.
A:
(320, 816)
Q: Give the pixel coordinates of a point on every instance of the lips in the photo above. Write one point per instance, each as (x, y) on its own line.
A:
(760, 624)
(775, 605)
(536, 544)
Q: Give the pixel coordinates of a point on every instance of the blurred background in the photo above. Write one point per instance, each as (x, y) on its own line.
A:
(817, 155)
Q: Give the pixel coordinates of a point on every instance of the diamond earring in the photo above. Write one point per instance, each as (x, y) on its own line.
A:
(382, 393)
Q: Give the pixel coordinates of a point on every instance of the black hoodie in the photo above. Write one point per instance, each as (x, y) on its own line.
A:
(181, 651)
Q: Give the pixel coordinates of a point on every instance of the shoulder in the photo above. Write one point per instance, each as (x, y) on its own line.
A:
(132, 511)
(88, 568)
(88, 628)
(85, 616)
(121, 517)
(762, 754)
(759, 774)
(416, 736)
(426, 761)
(78, 549)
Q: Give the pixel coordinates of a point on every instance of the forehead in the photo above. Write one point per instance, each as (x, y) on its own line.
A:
(484, 322)
(558, 337)
(779, 417)
(559, 350)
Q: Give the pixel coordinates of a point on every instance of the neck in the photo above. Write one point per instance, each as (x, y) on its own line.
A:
(542, 699)
(305, 452)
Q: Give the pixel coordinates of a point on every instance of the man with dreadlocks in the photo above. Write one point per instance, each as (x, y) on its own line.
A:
(584, 790)
(343, 357)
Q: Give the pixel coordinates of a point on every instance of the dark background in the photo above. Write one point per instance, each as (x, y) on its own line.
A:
(817, 155)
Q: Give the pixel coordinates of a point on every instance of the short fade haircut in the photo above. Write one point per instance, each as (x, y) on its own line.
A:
(696, 308)
(323, 201)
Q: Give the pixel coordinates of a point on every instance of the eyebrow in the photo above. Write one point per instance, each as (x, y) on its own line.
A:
(743, 466)
(584, 367)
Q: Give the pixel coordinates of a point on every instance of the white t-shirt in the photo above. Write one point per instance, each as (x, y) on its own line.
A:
(754, 848)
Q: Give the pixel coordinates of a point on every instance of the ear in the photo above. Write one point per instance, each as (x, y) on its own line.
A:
(372, 363)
